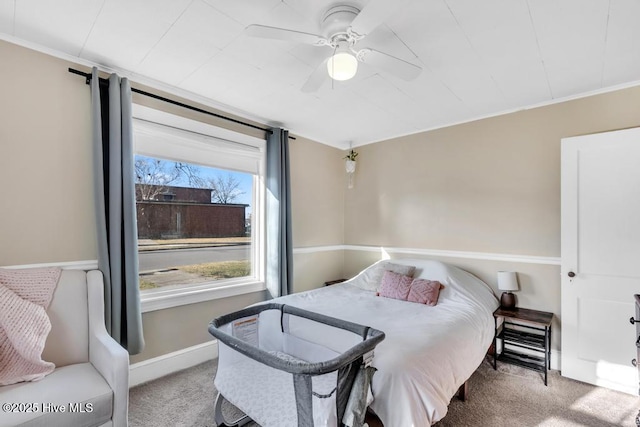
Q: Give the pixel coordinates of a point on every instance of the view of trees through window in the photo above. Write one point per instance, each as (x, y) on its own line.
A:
(194, 223)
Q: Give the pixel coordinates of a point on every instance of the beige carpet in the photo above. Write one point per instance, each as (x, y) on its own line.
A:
(513, 396)
(508, 397)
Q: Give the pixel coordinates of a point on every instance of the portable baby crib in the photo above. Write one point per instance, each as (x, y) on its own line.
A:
(287, 367)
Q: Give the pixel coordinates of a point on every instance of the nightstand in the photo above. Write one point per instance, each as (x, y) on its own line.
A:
(333, 282)
(526, 338)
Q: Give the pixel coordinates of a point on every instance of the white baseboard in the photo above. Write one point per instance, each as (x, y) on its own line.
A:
(158, 367)
(555, 359)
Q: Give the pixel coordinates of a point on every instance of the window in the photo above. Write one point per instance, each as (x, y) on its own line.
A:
(199, 204)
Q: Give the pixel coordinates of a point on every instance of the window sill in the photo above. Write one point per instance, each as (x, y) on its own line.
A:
(160, 299)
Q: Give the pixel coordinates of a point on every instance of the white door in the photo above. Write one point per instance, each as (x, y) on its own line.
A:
(601, 246)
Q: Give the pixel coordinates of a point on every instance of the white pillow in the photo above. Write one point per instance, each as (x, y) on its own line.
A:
(370, 278)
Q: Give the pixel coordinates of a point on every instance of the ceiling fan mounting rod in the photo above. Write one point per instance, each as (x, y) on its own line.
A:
(338, 39)
(348, 36)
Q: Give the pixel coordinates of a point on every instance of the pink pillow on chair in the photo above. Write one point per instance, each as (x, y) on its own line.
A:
(395, 285)
(424, 291)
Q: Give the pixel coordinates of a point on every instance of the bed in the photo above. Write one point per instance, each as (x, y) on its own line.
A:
(429, 351)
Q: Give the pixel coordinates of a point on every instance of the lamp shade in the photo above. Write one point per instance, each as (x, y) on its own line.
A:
(507, 281)
(342, 66)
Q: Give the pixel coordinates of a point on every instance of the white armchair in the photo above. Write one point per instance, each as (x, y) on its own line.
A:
(91, 380)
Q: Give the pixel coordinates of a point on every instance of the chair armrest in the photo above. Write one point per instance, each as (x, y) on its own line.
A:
(105, 354)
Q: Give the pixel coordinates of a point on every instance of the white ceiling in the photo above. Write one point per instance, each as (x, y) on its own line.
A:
(479, 58)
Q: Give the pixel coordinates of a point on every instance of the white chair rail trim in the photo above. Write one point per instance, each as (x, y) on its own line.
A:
(487, 256)
(91, 264)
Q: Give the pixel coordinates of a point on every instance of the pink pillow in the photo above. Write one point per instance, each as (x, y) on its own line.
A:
(424, 291)
(395, 285)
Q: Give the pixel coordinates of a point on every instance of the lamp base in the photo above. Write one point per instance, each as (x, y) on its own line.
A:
(508, 300)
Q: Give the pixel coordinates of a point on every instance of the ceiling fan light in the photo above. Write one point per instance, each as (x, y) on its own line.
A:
(342, 66)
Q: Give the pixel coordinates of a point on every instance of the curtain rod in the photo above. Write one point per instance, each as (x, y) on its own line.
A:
(87, 76)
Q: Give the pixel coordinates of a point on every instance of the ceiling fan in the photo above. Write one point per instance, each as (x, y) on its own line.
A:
(345, 26)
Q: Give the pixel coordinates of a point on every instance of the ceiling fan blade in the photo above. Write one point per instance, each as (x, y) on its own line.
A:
(316, 78)
(373, 14)
(276, 33)
(396, 66)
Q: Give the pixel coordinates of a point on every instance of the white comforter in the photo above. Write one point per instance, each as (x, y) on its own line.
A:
(428, 352)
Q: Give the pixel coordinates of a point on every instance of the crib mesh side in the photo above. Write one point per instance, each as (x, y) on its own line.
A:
(320, 401)
(277, 398)
(264, 393)
(272, 397)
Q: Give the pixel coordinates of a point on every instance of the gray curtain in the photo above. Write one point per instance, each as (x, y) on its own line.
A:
(116, 209)
(278, 215)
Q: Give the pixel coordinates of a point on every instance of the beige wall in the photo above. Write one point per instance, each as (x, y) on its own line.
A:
(317, 202)
(311, 270)
(492, 185)
(488, 186)
(45, 161)
(191, 114)
(176, 328)
(47, 212)
(317, 194)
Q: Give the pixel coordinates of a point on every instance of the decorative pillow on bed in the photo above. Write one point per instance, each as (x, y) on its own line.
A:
(395, 285)
(371, 277)
(424, 291)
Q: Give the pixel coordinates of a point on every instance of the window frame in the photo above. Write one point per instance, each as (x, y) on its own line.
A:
(227, 144)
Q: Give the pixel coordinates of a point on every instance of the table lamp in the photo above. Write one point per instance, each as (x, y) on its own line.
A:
(507, 281)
